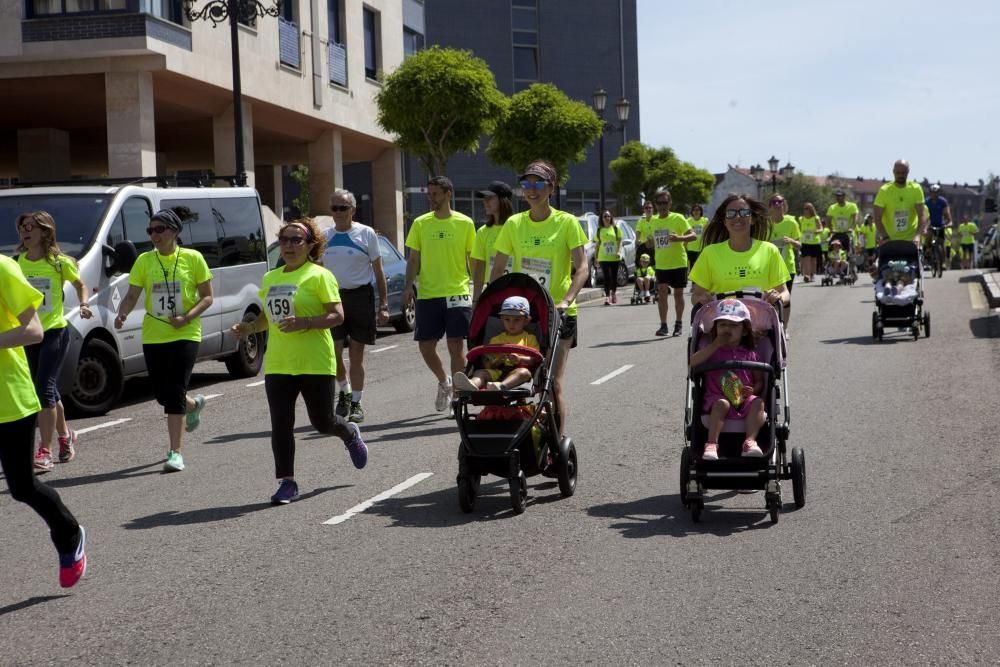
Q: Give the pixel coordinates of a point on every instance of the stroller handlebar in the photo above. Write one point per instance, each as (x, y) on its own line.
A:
(729, 365)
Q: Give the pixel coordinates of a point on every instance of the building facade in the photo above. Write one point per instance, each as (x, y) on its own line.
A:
(130, 88)
(577, 45)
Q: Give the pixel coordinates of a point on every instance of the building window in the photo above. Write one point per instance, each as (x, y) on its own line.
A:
(370, 18)
(337, 60)
(333, 21)
(51, 7)
(413, 41)
(289, 48)
(524, 41)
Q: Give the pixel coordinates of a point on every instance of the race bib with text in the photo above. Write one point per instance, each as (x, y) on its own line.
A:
(43, 285)
(280, 302)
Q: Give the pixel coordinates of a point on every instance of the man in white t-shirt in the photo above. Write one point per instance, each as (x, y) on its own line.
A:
(352, 255)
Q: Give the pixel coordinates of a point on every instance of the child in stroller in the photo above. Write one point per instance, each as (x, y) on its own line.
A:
(731, 394)
(645, 281)
(510, 369)
(897, 284)
(838, 268)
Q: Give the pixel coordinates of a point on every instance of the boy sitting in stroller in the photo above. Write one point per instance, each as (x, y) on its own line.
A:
(837, 260)
(504, 370)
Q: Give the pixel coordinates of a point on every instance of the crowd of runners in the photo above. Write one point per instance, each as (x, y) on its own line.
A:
(313, 313)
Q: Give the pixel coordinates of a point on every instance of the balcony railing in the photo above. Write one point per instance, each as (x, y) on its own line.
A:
(338, 64)
(289, 50)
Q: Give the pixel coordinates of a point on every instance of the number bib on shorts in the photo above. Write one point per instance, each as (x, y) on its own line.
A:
(43, 285)
(902, 220)
(460, 301)
(280, 302)
(538, 268)
(165, 300)
(662, 238)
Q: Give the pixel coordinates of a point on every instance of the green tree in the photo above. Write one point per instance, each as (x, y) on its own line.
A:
(639, 170)
(800, 189)
(541, 122)
(437, 103)
(301, 176)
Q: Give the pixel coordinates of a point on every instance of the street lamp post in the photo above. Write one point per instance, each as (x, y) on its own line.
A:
(234, 11)
(622, 108)
(757, 173)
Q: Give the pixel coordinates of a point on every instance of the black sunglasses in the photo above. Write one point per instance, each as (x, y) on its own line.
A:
(741, 212)
(158, 229)
(291, 240)
(340, 208)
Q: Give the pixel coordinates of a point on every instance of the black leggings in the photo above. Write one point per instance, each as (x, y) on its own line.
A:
(45, 360)
(17, 449)
(610, 271)
(282, 392)
(169, 366)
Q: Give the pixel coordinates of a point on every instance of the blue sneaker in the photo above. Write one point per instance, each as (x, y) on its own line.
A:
(356, 447)
(287, 491)
(194, 416)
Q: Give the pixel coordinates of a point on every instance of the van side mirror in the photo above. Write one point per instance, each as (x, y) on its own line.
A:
(121, 258)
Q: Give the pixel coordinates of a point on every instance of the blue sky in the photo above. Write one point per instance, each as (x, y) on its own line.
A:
(847, 86)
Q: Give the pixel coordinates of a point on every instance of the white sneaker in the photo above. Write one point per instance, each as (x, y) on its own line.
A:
(494, 386)
(461, 382)
(443, 398)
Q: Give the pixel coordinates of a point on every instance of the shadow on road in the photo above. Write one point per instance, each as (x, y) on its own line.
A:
(412, 422)
(211, 514)
(124, 473)
(854, 340)
(30, 602)
(630, 343)
(256, 435)
(645, 517)
(985, 327)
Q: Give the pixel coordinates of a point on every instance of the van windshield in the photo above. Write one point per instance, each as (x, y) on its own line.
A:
(77, 216)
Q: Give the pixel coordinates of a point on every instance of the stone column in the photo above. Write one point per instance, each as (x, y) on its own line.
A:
(128, 100)
(271, 189)
(326, 170)
(387, 195)
(224, 142)
(42, 155)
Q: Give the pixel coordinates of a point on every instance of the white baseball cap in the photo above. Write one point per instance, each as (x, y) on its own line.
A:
(733, 310)
(515, 305)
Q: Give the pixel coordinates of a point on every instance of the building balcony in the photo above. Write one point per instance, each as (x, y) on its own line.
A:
(72, 20)
(289, 46)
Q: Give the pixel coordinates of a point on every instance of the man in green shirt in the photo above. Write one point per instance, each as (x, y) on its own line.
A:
(900, 213)
(440, 243)
(842, 218)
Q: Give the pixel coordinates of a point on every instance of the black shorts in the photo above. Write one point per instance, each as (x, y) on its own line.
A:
(568, 331)
(811, 250)
(359, 315)
(844, 238)
(968, 247)
(676, 278)
(693, 256)
(169, 366)
(435, 319)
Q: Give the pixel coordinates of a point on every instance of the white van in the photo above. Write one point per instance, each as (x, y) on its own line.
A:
(104, 229)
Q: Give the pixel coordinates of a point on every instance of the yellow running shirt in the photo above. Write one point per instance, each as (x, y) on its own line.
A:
(543, 250)
(790, 228)
(810, 230)
(443, 244)
(642, 229)
(484, 249)
(698, 226)
(608, 241)
(669, 254)
(842, 217)
(170, 283)
(866, 236)
(721, 269)
(48, 277)
(17, 391)
(899, 206)
(298, 293)
(968, 231)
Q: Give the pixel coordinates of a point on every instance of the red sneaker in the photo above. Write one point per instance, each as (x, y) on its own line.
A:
(67, 447)
(43, 460)
(73, 565)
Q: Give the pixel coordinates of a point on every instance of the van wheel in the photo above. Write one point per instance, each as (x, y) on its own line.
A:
(622, 274)
(405, 322)
(99, 381)
(246, 361)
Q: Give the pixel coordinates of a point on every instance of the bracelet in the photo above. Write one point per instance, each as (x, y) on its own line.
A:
(384, 306)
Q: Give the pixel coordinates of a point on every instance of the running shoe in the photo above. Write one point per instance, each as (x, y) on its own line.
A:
(194, 416)
(462, 382)
(647, 298)
(750, 448)
(73, 565)
(607, 301)
(357, 414)
(614, 298)
(356, 447)
(711, 452)
(494, 386)
(677, 328)
(43, 460)
(287, 491)
(443, 398)
(664, 330)
(174, 463)
(343, 404)
(67, 447)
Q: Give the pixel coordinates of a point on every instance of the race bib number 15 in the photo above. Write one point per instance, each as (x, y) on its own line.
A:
(166, 300)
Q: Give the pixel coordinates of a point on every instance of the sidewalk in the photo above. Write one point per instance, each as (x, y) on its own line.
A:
(991, 286)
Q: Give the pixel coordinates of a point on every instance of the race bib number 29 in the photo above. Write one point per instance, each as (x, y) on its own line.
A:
(280, 302)
(902, 220)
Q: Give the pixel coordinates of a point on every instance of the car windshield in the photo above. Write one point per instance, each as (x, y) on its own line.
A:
(77, 217)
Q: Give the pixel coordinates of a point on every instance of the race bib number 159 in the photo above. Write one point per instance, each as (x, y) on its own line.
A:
(281, 302)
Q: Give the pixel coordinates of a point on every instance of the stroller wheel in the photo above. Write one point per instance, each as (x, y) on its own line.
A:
(467, 488)
(685, 474)
(519, 492)
(927, 324)
(696, 507)
(567, 467)
(775, 512)
(799, 477)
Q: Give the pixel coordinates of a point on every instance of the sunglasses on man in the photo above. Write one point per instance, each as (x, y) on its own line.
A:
(340, 208)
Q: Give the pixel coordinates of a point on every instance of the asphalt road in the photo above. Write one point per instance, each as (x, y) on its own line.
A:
(893, 560)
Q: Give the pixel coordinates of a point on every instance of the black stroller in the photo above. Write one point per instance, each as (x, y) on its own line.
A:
(732, 471)
(515, 434)
(899, 291)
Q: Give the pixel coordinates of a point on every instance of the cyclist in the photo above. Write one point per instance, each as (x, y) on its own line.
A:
(841, 219)
(900, 213)
(669, 232)
(940, 219)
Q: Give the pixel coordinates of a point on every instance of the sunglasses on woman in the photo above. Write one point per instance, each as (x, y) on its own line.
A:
(533, 185)
(740, 212)
(26, 226)
(291, 240)
(158, 229)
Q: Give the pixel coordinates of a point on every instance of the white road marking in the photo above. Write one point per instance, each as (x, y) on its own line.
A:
(104, 425)
(256, 384)
(358, 509)
(383, 349)
(977, 297)
(208, 396)
(612, 374)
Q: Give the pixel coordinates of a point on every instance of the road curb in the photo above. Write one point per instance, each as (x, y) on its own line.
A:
(991, 286)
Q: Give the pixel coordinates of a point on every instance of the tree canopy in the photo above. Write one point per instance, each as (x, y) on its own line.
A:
(639, 170)
(439, 102)
(541, 122)
(800, 189)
